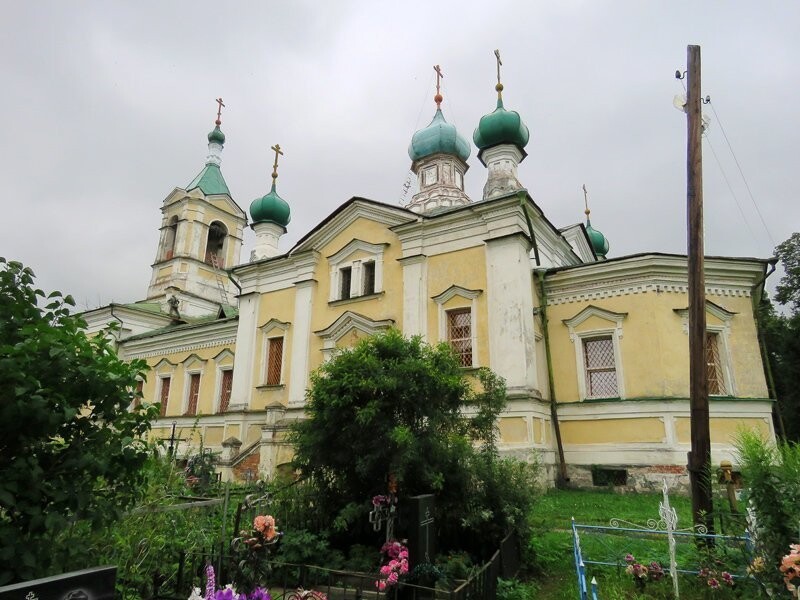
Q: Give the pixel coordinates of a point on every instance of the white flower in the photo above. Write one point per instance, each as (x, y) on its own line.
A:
(195, 594)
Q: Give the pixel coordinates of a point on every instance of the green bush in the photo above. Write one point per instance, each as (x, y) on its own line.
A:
(772, 474)
(513, 589)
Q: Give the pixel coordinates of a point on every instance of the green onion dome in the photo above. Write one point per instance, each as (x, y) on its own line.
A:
(216, 136)
(598, 240)
(270, 208)
(501, 127)
(438, 137)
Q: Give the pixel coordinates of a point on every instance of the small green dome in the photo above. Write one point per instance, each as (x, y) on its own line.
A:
(270, 209)
(439, 136)
(216, 136)
(501, 127)
(598, 240)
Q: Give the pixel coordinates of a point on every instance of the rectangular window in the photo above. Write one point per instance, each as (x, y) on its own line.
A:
(716, 380)
(459, 334)
(137, 395)
(194, 393)
(369, 278)
(165, 381)
(225, 390)
(345, 278)
(601, 370)
(274, 360)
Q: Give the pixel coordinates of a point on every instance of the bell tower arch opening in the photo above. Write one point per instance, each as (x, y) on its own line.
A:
(215, 244)
(170, 235)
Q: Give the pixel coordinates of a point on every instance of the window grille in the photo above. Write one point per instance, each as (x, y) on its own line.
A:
(194, 393)
(601, 371)
(165, 381)
(225, 390)
(716, 382)
(274, 360)
(459, 334)
(345, 277)
(369, 278)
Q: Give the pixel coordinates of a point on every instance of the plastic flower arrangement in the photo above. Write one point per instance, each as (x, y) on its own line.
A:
(790, 567)
(396, 566)
(637, 570)
(301, 594)
(716, 580)
(253, 550)
(227, 592)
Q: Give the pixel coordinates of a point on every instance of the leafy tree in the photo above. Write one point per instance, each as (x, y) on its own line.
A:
(399, 406)
(71, 451)
(788, 290)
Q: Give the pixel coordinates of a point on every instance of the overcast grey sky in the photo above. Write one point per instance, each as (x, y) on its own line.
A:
(106, 106)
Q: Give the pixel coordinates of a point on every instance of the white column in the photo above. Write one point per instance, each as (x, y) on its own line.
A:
(415, 295)
(301, 333)
(510, 296)
(243, 362)
(267, 236)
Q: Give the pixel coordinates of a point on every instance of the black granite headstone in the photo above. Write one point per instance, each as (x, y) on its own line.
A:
(421, 529)
(89, 584)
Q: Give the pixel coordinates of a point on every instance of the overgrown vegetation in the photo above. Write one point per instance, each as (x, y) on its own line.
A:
(399, 406)
(71, 451)
(773, 477)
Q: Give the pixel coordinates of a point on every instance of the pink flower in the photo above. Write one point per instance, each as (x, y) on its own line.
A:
(381, 585)
(713, 583)
(392, 579)
(386, 569)
(629, 558)
(727, 578)
(260, 523)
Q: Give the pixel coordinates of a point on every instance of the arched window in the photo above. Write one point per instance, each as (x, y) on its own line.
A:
(169, 239)
(215, 244)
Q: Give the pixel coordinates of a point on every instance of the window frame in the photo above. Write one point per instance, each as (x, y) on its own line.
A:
(449, 314)
(466, 299)
(345, 259)
(721, 333)
(187, 400)
(221, 388)
(273, 329)
(160, 395)
(588, 370)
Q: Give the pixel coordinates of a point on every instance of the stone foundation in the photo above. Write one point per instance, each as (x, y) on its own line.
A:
(626, 478)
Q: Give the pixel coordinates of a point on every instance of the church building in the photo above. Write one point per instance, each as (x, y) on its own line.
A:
(593, 347)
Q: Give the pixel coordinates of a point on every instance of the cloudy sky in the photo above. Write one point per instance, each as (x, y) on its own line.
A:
(106, 106)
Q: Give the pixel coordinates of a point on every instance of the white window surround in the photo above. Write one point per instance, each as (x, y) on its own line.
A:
(160, 388)
(471, 295)
(346, 323)
(192, 365)
(343, 259)
(723, 331)
(223, 362)
(273, 329)
(614, 330)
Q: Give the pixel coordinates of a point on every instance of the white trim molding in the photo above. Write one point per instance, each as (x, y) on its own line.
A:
(341, 260)
(344, 324)
(614, 331)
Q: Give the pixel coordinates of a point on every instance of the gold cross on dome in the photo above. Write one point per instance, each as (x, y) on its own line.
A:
(499, 64)
(439, 76)
(219, 110)
(586, 201)
(277, 149)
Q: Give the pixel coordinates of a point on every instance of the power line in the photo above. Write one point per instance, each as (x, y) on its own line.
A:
(730, 188)
(741, 172)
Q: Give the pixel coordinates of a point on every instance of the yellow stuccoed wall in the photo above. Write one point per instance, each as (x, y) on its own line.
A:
(619, 431)
(277, 305)
(465, 268)
(388, 305)
(654, 345)
(175, 368)
(722, 430)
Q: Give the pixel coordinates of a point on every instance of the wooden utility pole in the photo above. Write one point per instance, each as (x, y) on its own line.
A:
(700, 455)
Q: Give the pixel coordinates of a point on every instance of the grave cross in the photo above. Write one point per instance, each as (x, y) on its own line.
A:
(219, 110)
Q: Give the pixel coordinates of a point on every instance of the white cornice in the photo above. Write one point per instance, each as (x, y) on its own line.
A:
(650, 273)
(352, 320)
(277, 273)
(215, 333)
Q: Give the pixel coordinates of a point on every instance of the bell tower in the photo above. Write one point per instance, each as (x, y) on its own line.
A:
(201, 236)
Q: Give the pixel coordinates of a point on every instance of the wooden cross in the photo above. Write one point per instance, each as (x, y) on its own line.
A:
(439, 77)
(219, 110)
(277, 149)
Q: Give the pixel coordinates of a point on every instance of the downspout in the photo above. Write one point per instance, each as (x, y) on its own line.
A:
(233, 281)
(762, 346)
(562, 478)
(121, 323)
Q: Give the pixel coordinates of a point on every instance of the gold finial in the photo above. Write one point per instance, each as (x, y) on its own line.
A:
(586, 202)
(439, 76)
(219, 101)
(277, 149)
(499, 86)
